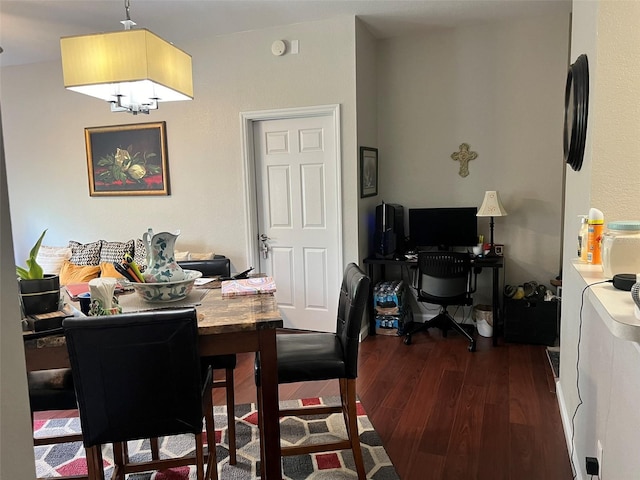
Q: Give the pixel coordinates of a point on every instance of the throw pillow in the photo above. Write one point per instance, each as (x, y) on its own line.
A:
(202, 256)
(71, 273)
(140, 254)
(112, 252)
(52, 258)
(181, 256)
(108, 270)
(85, 254)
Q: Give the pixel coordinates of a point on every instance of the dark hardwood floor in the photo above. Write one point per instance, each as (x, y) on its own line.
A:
(445, 413)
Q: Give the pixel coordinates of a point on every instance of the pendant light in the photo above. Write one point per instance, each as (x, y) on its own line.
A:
(133, 69)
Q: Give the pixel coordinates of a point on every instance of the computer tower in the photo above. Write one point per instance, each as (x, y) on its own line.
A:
(388, 238)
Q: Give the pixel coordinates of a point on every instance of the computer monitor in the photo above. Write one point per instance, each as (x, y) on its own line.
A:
(443, 228)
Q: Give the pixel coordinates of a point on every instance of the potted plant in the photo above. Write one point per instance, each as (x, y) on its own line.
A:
(39, 292)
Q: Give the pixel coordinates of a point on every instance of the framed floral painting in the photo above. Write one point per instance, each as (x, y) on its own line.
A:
(127, 159)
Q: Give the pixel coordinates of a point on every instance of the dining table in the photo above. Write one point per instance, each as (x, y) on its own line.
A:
(226, 325)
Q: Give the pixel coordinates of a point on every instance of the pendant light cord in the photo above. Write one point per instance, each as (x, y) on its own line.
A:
(128, 23)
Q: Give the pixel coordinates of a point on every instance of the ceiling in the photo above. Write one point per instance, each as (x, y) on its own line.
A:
(30, 30)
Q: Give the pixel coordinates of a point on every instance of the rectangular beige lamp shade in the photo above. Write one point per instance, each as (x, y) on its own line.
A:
(135, 65)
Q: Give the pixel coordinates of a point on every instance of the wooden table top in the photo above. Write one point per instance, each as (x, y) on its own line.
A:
(216, 314)
(249, 312)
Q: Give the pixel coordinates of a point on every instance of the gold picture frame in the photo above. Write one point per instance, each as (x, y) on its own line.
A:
(127, 159)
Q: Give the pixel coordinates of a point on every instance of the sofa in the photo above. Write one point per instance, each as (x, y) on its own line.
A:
(81, 262)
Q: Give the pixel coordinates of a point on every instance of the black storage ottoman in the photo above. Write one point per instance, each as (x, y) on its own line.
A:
(530, 321)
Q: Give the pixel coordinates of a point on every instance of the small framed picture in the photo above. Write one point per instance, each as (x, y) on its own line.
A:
(368, 172)
(499, 249)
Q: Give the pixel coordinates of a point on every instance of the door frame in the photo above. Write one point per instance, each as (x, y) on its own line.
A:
(247, 120)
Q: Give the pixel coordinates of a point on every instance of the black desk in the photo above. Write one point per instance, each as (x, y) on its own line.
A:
(494, 263)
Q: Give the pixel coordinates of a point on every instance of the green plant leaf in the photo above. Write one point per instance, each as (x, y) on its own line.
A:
(22, 272)
(35, 270)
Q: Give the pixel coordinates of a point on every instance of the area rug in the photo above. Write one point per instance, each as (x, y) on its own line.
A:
(69, 459)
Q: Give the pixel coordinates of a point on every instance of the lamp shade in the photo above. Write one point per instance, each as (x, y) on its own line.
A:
(133, 69)
(491, 206)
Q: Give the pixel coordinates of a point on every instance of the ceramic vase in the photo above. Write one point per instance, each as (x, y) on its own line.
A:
(161, 261)
(103, 301)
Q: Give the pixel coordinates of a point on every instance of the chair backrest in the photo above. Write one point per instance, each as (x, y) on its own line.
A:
(136, 375)
(445, 275)
(354, 293)
(209, 268)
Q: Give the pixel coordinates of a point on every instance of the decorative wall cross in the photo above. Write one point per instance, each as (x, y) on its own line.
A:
(464, 156)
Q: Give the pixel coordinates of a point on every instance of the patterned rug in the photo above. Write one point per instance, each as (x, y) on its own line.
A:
(69, 459)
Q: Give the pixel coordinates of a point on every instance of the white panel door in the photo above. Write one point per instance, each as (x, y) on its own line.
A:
(297, 201)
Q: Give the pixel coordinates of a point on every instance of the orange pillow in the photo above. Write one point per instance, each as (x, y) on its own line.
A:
(108, 270)
(71, 273)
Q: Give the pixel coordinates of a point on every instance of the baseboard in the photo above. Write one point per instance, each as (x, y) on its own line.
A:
(568, 432)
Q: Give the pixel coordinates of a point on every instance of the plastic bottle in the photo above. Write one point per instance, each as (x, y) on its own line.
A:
(594, 238)
(583, 235)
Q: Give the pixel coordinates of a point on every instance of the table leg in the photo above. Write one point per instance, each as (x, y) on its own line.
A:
(270, 431)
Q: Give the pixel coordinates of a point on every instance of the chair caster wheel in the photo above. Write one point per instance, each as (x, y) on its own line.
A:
(407, 340)
(472, 347)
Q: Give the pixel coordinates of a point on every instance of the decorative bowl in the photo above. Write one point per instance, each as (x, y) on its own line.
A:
(167, 291)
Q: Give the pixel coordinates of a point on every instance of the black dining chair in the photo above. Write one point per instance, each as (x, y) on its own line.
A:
(312, 356)
(226, 363)
(51, 390)
(445, 279)
(138, 376)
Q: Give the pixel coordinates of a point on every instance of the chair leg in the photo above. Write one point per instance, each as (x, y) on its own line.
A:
(120, 459)
(260, 428)
(350, 412)
(458, 327)
(155, 449)
(212, 463)
(416, 327)
(95, 467)
(200, 457)
(231, 415)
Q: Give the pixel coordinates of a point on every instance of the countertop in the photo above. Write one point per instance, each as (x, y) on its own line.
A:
(615, 307)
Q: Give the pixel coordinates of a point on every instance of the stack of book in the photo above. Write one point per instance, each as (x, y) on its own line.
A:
(248, 286)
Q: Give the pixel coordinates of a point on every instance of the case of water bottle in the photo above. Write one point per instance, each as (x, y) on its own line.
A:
(389, 306)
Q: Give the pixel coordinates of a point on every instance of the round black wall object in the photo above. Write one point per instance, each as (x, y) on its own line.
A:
(576, 109)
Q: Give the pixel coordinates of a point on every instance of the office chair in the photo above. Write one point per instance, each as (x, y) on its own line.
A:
(445, 279)
(138, 376)
(220, 362)
(311, 356)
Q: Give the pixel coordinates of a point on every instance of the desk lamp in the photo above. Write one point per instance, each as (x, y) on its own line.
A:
(491, 207)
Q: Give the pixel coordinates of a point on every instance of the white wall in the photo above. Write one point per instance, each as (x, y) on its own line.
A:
(367, 95)
(46, 160)
(609, 387)
(500, 88)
